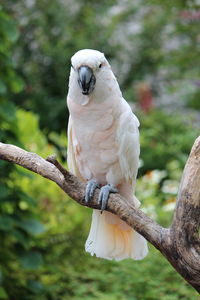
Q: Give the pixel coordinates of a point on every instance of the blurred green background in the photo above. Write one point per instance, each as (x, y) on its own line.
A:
(154, 50)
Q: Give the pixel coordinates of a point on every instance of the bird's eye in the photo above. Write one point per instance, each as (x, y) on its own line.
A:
(100, 66)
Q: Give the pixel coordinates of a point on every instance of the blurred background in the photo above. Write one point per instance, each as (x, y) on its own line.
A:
(154, 50)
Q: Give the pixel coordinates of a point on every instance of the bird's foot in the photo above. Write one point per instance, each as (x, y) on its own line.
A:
(91, 186)
(104, 195)
(105, 191)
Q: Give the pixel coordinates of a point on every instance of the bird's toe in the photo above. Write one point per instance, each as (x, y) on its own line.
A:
(104, 195)
(91, 186)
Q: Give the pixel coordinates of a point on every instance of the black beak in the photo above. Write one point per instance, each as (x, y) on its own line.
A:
(86, 79)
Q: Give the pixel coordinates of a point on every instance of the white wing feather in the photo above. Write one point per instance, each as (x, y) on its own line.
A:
(129, 145)
(71, 150)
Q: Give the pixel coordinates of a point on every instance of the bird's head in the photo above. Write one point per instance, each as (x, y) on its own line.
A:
(91, 75)
(88, 64)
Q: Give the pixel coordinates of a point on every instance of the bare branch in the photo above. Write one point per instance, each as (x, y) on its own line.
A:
(191, 177)
(187, 212)
(180, 243)
(52, 170)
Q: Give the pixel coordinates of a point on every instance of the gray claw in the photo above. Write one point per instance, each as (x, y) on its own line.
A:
(104, 195)
(90, 189)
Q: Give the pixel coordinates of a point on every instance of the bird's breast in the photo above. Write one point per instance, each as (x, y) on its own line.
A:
(95, 132)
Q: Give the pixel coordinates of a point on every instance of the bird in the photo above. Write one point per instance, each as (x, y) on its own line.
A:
(103, 151)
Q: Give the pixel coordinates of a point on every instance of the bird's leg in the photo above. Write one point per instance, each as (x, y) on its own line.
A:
(91, 186)
(104, 195)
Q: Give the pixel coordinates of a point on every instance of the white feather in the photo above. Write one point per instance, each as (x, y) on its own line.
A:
(103, 143)
(129, 144)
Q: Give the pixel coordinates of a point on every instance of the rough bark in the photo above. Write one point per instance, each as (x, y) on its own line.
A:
(180, 243)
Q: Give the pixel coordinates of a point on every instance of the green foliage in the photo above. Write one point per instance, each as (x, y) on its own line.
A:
(42, 231)
(164, 138)
(85, 277)
(18, 226)
(156, 42)
(44, 49)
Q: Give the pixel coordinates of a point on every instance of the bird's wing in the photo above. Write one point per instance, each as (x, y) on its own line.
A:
(129, 145)
(71, 151)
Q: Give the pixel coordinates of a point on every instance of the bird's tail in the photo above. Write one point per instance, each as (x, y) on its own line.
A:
(112, 238)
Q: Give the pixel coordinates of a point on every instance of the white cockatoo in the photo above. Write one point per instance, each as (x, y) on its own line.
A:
(103, 150)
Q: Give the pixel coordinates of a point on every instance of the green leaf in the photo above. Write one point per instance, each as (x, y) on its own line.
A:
(4, 191)
(31, 260)
(17, 84)
(6, 223)
(21, 238)
(32, 226)
(3, 294)
(1, 276)
(3, 87)
(7, 111)
(8, 27)
(35, 286)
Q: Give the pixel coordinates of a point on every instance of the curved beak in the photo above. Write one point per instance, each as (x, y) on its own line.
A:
(86, 79)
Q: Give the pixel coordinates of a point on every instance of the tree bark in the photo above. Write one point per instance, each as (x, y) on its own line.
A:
(180, 243)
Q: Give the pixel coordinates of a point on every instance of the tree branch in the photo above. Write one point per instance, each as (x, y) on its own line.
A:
(187, 212)
(51, 169)
(180, 243)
